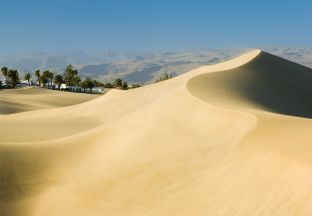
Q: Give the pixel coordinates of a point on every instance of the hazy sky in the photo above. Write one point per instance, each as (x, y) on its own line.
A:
(95, 25)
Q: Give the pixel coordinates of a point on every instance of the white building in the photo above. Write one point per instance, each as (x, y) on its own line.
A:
(63, 86)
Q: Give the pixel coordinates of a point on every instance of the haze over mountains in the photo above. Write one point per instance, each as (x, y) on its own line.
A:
(137, 67)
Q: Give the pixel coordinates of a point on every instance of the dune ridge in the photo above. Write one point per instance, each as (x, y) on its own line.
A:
(266, 82)
(203, 143)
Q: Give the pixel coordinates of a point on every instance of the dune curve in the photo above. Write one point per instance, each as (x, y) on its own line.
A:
(27, 99)
(267, 82)
(178, 147)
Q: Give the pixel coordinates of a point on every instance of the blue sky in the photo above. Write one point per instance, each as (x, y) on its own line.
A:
(95, 25)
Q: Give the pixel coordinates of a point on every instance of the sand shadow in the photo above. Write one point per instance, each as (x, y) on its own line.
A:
(270, 82)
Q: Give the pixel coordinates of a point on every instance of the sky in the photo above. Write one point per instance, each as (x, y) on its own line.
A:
(146, 25)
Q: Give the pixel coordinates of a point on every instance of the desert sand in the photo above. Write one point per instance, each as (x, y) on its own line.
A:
(234, 138)
(26, 99)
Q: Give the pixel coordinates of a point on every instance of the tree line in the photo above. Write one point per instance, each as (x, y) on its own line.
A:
(70, 77)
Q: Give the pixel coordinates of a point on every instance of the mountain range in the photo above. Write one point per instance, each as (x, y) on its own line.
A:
(137, 67)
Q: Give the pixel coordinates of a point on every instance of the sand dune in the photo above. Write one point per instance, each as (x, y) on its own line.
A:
(26, 99)
(267, 82)
(228, 139)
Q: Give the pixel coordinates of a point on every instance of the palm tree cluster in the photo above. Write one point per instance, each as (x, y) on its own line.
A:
(70, 77)
(45, 78)
(11, 77)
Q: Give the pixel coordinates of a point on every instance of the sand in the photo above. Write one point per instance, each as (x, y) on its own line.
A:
(228, 139)
(26, 99)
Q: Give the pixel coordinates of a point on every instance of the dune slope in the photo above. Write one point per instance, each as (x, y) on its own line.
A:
(267, 82)
(26, 99)
(197, 144)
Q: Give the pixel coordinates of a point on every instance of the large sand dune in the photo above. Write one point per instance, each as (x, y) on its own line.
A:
(229, 139)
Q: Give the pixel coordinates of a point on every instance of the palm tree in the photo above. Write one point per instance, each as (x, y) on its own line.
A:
(117, 83)
(13, 77)
(76, 80)
(70, 75)
(58, 79)
(37, 74)
(27, 77)
(45, 77)
(50, 76)
(4, 71)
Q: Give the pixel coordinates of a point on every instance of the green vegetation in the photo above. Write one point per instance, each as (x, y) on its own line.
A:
(71, 77)
(50, 77)
(27, 77)
(117, 83)
(13, 77)
(44, 78)
(47, 79)
(134, 86)
(163, 77)
(58, 80)
(88, 83)
(124, 86)
(108, 85)
(37, 74)
(4, 71)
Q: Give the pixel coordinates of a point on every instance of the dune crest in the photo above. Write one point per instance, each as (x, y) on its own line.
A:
(209, 142)
(267, 82)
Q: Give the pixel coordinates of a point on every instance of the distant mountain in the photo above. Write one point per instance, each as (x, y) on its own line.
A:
(145, 68)
(58, 61)
(137, 67)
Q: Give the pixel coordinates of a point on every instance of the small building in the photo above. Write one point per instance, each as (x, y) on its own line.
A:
(98, 90)
(21, 84)
(75, 88)
(5, 84)
(53, 86)
(63, 86)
